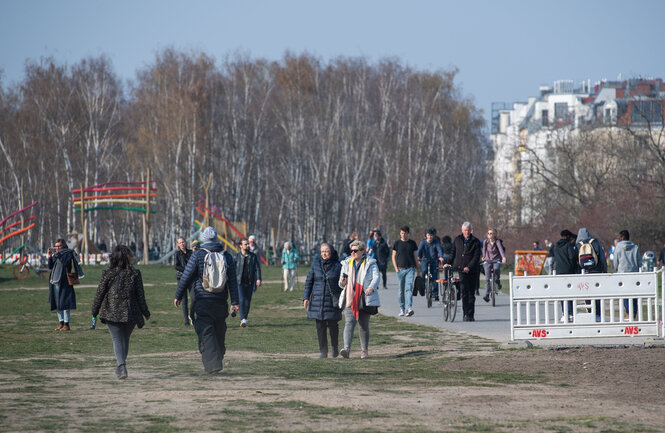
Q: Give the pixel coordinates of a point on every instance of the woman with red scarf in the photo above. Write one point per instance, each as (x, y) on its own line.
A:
(359, 279)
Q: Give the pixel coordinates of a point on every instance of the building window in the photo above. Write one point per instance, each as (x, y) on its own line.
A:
(561, 110)
(647, 111)
(545, 117)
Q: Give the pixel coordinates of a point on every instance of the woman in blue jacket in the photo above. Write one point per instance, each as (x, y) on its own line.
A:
(321, 293)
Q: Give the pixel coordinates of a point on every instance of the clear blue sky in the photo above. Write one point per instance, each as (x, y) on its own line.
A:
(504, 49)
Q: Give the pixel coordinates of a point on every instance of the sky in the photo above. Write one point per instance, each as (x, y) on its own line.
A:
(504, 50)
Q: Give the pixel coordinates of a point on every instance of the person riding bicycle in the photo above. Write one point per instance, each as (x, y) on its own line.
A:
(493, 255)
(431, 255)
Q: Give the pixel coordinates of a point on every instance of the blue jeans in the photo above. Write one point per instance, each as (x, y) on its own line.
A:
(120, 333)
(434, 270)
(245, 297)
(405, 278)
(497, 275)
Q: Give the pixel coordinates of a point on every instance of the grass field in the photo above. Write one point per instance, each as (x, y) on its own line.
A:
(417, 378)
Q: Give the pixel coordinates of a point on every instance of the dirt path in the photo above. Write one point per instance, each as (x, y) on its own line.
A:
(582, 389)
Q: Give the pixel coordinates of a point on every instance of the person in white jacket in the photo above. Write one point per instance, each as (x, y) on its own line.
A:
(627, 258)
(359, 276)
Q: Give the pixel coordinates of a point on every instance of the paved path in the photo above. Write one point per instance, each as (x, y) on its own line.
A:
(491, 322)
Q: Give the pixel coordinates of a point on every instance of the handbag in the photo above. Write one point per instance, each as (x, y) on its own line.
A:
(341, 302)
(73, 278)
(335, 298)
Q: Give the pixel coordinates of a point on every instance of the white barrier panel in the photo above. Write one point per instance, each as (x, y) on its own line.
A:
(584, 305)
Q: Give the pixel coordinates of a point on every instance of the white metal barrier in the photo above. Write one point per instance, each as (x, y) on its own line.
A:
(585, 305)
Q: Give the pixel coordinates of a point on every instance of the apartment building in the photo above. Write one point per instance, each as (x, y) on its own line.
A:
(527, 137)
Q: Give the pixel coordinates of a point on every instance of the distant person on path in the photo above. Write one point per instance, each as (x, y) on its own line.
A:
(369, 249)
(405, 259)
(448, 250)
(467, 261)
(431, 255)
(180, 260)
(565, 261)
(382, 255)
(290, 259)
(61, 294)
(346, 245)
(254, 247)
(359, 278)
(493, 255)
(248, 268)
(320, 298)
(549, 260)
(536, 246)
(210, 309)
(661, 257)
(627, 258)
(120, 303)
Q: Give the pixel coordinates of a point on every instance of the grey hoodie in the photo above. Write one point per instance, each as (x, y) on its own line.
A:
(627, 257)
(583, 235)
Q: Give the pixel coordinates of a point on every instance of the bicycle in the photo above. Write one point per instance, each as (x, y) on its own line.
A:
(448, 290)
(429, 283)
(494, 280)
(22, 268)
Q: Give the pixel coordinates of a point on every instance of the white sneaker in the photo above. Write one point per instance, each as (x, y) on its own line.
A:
(401, 313)
(409, 313)
(243, 323)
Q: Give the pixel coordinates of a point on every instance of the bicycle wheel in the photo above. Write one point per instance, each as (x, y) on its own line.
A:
(444, 292)
(492, 292)
(453, 302)
(428, 291)
(21, 271)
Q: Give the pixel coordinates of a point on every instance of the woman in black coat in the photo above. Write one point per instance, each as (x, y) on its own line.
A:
(61, 294)
(120, 303)
(321, 293)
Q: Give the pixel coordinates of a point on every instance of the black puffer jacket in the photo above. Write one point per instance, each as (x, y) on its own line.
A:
(321, 305)
(120, 297)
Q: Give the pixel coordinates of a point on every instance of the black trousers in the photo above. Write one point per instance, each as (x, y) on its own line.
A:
(333, 327)
(210, 326)
(382, 271)
(469, 284)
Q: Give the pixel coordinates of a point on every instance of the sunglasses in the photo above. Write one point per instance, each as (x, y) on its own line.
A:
(354, 251)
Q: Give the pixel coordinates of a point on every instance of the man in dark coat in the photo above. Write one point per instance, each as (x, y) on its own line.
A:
(320, 298)
(248, 269)
(210, 309)
(467, 260)
(382, 255)
(564, 257)
(181, 257)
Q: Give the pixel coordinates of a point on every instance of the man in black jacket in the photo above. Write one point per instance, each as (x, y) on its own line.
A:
(210, 309)
(382, 254)
(564, 254)
(180, 260)
(249, 278)
(467, 261)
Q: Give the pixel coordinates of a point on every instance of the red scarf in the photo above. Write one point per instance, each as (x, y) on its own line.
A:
(357, 287)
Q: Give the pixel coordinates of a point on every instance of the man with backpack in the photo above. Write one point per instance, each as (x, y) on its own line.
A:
(591, 258)
(212, 272)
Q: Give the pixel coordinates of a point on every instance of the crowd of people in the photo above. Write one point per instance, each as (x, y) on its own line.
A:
(336, 285)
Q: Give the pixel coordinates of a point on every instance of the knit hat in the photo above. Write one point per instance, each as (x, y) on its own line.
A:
(208, 235)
